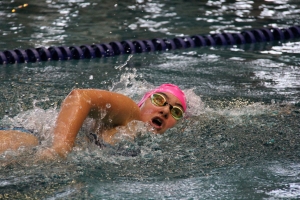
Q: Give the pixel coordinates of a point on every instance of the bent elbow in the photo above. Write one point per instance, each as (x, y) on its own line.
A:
(76, 96)
(75, 92)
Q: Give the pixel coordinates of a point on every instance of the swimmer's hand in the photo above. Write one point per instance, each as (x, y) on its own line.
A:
(47, 154)
(51, 153)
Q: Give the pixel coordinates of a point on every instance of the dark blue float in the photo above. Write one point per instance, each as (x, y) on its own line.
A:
(140, 46)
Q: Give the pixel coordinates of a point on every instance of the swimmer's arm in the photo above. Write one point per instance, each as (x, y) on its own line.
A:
(81, 103)
(13, 140)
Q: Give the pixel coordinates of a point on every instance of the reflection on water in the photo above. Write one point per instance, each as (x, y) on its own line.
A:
(289, 47)
(47, 23)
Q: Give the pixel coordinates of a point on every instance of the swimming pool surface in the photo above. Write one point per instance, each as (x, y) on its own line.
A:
(240, 141)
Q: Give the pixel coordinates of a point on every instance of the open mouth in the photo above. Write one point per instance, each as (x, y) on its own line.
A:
(157, 122)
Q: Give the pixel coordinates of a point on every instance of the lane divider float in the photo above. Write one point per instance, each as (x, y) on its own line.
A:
(141, 46)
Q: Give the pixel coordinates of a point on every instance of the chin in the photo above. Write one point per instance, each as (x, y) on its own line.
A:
(155, 131)
(159, 132)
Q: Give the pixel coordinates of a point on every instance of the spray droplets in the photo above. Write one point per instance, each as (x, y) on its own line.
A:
(126, 62)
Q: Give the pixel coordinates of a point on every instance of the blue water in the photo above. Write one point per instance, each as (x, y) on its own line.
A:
(240, 141)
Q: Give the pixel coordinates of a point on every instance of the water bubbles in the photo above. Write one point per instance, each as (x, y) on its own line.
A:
(108, 105)
(272, 101)
(103, 113)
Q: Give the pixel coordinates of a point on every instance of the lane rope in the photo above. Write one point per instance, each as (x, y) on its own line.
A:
(141, 46)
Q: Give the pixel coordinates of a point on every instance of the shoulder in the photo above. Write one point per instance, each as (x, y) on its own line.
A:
(114, 103)
(97, 95)
(98, 92)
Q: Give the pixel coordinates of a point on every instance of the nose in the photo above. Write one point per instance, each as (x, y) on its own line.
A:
(165, 111)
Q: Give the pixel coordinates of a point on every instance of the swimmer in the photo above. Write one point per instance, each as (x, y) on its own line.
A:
(160, 108)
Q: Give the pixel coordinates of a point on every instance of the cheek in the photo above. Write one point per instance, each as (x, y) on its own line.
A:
(146, 113)
(171, 123)
(148, 108)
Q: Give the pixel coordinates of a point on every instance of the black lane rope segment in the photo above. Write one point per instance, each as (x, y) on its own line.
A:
(141, 46)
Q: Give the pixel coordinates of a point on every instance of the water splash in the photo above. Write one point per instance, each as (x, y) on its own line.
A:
(126, 62)
(133, 85)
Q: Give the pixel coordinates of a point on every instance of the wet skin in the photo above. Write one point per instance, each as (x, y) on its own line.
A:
(80, 104)
(159, 117)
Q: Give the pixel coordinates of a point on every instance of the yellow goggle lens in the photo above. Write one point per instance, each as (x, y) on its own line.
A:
(160, 100)
(176, 112)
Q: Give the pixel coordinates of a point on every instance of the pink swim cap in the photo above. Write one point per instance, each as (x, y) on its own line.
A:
(173, 89)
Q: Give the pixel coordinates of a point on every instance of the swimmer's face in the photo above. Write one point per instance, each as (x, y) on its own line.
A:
(159, 117)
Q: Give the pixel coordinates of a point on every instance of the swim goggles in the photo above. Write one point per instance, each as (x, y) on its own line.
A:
(159, 100)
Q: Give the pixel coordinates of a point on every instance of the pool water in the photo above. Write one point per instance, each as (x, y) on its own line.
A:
(241, 139)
